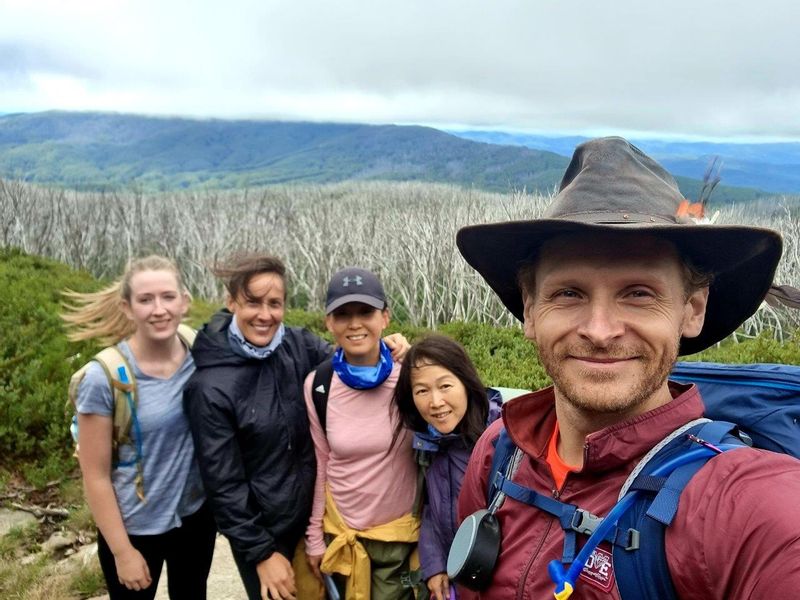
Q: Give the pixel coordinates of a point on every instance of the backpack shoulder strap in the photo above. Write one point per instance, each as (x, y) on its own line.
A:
(111, 359)
(641, 569)
(187, 334)
(320, 388)
(74, 383)
(504, 449)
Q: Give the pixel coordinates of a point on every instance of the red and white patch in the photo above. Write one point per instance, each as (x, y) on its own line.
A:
(599, 570)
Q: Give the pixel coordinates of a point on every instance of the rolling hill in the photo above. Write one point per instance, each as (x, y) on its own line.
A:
(773, 167)
(112, 151)
(99, 150)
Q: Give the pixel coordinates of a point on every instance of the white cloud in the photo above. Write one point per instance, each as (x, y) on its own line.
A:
(696, 68)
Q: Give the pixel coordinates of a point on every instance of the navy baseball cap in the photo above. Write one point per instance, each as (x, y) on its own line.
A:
(352, 284)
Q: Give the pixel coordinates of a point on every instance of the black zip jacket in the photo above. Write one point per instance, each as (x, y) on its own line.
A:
(251, 435)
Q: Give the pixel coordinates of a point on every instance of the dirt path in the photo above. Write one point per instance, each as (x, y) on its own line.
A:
(223, 580)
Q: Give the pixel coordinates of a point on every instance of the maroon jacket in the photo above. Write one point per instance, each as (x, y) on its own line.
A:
(736, 534)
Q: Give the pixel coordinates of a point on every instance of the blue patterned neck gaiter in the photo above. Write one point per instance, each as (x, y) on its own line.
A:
(363, 378)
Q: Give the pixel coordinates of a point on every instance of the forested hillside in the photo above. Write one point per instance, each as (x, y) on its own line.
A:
(107, 151)
(103, 151)
(770, 166)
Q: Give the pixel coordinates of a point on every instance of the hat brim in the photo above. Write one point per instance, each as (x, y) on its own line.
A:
(362, 298)
(742, 259)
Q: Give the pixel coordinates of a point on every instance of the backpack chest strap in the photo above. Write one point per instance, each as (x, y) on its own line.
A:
(573, 520)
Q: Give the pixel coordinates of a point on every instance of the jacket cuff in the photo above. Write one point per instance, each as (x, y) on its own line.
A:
(434, 566)
(256, 554)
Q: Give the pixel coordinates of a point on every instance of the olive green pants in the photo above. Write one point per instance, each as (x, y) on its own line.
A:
(389, 562)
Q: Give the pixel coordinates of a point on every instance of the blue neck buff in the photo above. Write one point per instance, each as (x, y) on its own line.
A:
(244, 348)
(433, 432)
(363, 378)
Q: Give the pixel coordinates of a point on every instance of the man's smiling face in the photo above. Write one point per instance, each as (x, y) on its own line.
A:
(607, 312)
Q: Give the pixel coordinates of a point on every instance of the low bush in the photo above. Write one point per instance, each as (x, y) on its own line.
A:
(36, 360)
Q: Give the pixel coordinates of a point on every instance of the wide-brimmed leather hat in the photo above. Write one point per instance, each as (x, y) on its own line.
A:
(611, 185)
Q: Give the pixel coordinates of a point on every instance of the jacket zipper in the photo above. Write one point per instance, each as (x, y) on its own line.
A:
(556, 493)
(534, 555)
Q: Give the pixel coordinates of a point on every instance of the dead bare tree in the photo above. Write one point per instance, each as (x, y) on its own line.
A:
(403, 231)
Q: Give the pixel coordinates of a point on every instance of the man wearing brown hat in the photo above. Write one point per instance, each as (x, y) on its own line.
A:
(612, 285)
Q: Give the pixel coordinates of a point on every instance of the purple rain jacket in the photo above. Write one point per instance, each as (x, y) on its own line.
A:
(449, 455)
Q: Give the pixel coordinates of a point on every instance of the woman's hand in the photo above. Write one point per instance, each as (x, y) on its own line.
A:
(398, 344)
(94, 437)
(314, 561)
(132, 569)
(439, 586)
(277, 578)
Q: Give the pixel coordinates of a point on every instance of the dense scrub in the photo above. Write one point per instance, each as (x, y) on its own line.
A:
(36, 360)
(405, 232)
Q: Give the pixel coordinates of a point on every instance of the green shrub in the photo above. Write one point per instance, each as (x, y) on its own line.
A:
(763, 349)
(36, 361)
(502, 356)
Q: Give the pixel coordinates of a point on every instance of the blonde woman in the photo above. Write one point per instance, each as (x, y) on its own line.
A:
(149, 506)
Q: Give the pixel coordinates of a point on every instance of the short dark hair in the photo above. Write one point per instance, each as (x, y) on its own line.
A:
(237, 271)
(694, 278)
(437, 349)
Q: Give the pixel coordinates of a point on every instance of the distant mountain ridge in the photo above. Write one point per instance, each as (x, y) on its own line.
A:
(92, 150)
(773, 167)
(109, 151)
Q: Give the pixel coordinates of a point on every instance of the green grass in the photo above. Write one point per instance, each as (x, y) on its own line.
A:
(88, 581)
(20, 582)
(20, 540)
(42, 580)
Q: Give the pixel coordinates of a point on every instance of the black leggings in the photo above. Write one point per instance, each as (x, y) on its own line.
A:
(187, 550)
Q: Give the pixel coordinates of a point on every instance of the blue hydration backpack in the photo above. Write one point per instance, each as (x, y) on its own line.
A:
(757, 404)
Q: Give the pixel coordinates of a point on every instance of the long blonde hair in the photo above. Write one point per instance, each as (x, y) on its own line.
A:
(99, 315)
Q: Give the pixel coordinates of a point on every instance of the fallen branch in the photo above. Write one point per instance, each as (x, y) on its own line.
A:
(38, 511)
(15, 494)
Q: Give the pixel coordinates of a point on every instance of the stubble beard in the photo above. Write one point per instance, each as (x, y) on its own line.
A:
(616, 396)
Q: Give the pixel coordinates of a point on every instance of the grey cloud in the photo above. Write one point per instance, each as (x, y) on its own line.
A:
(711, 67)
(19, 59)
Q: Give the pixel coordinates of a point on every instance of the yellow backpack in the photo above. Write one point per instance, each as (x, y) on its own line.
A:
(123, 385)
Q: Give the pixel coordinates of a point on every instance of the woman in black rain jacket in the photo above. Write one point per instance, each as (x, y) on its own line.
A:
(250, 426)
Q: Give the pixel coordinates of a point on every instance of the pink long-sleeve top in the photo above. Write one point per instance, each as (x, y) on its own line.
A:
(369, 486)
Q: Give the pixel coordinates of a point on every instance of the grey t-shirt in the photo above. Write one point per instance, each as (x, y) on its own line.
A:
(172, 484)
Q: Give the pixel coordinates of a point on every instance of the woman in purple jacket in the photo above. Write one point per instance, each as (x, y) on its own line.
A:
(439, 396)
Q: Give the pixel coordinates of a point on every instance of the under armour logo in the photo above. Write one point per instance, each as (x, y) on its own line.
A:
(357, 280)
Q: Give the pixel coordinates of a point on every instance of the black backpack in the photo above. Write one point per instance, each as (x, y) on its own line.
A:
(320, 388)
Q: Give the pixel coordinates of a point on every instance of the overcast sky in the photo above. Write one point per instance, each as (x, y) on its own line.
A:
(703, 68)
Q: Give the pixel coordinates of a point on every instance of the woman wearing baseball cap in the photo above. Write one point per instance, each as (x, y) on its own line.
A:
(365, 487)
